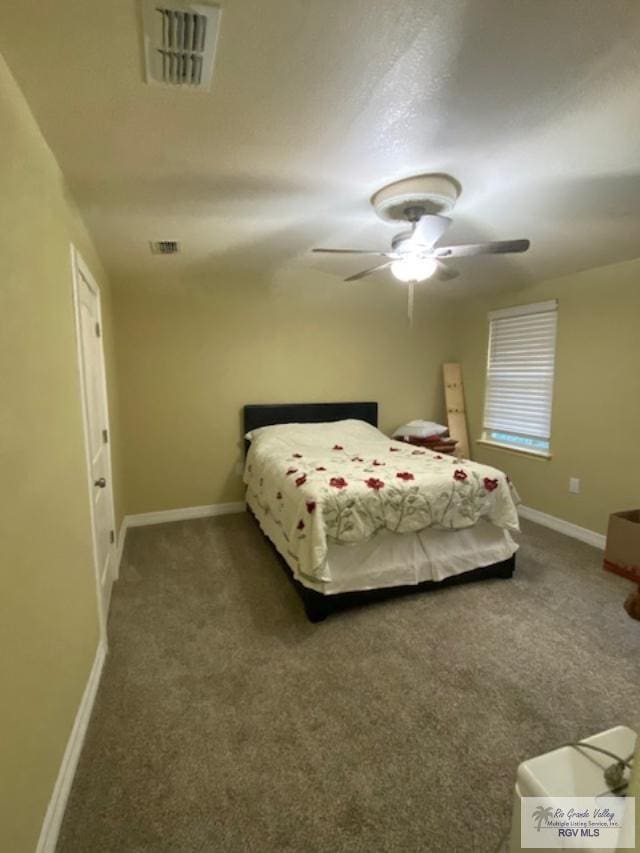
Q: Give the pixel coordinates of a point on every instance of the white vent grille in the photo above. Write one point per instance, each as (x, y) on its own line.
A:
(180, 41)
(164, 247)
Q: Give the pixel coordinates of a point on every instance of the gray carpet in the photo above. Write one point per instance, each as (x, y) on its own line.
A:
(226, 722)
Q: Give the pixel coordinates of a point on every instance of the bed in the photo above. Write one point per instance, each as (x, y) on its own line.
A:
(356, 516)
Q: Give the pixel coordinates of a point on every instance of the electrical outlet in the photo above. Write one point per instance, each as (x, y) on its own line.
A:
(574, 486)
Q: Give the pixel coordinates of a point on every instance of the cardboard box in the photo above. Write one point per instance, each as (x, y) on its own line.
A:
(622, 551)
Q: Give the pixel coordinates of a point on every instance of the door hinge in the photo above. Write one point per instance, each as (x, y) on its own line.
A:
(105, 436)
(97, 330)
(112, 536)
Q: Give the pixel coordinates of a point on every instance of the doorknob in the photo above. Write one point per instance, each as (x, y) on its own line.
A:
(101, 482)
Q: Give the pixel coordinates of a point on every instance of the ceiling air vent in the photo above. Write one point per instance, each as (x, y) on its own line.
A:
(180, 43)
(164, 247)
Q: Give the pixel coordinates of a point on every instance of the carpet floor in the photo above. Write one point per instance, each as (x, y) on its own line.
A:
(226, 722)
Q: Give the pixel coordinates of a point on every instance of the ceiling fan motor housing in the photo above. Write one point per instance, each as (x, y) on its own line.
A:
(408, 199)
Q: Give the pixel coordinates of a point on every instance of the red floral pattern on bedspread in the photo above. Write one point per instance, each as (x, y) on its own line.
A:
(374, 483)
(338, 483)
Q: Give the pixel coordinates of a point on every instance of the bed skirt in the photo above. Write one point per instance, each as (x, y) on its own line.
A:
(318, 606)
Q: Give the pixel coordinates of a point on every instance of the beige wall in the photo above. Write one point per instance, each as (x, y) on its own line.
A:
(596, 404)
(191, 353)
(48, 611)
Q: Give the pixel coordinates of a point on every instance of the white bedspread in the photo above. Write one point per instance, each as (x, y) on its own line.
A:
(341, 482)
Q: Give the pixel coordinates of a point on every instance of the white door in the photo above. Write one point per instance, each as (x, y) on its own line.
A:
(96, 421)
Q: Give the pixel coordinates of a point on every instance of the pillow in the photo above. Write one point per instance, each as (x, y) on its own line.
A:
(420, 429)
(323, 428)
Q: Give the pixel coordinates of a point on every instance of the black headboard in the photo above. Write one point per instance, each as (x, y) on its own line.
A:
(307, 413)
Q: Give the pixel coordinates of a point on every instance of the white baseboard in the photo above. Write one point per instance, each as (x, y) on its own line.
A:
(183, 513)
(120, 547)
(163, 516)
(57, 804)
(562, 526)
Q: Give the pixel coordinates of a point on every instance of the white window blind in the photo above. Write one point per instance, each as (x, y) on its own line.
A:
(520, 368)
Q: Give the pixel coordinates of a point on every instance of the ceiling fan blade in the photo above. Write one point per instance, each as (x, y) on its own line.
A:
(445, 273)
(429, 229)
(499, 247)
(368, 272)
(351, 252)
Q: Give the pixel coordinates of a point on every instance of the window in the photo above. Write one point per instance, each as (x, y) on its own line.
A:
(520, 365)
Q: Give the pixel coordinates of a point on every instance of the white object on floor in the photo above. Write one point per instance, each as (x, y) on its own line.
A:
(567, 772)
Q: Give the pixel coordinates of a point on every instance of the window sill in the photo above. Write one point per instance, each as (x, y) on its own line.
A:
(519, 451)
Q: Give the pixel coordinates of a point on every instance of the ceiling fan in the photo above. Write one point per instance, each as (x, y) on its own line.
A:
(414, 255)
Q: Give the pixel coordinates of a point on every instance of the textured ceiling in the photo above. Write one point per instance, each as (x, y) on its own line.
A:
(531, 104)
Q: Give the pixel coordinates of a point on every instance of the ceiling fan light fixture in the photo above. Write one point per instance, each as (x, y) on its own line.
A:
(414, 269)
(416, 253)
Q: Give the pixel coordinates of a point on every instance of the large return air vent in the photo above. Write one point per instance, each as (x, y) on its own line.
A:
(180, 43)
